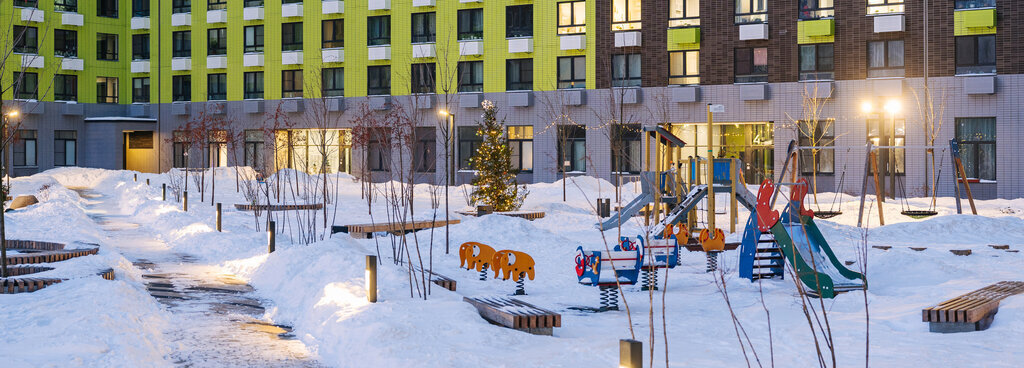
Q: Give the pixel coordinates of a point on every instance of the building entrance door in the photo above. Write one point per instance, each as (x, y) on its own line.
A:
(751, 142)
(139, 154)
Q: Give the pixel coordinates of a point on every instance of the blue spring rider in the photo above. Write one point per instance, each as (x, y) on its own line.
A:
(622, 265)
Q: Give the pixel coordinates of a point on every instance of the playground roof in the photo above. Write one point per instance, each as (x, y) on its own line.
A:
(664, 136)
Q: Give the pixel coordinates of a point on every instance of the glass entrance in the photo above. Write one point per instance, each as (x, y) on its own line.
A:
(315, 151)
(751, 142)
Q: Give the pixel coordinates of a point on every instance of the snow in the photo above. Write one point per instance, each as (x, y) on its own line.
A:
(319, 289)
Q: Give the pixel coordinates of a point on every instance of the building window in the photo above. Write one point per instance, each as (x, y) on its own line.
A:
(140, 89)
(291, 83)
(684, 67)
(817, 9)
(885, 6)
(217, 87)
(425, 158)
(217, 152)
(27, 3)
(683, 13)
(70, 6)
(334, 82)
(471, 24)
(106, 90)
(216, 4)
(469, 142)
(291, 36)
(65, 148)
(27, 39)
(572, 72)
(817, 134)
(378, 80)
(249, 3)
(471, 76)
(889, 132)
(424, 27)
(254, 144)
(752, 11)
(107, 8)
(816, 62)
(976, 54)
(520, 140)
(65, 43)
(572, 148)
(140, 8)
(519, 21)
(519, 75)
(180, 141)
(974, 4)
(423, 78)
(625, 15)
(181, 44)
(378, 30)
(626, 70)
(626, 148)
(378, 150)
(253, 39)
(106, 46)
(181, 6)
(25, 148)
(751, 65)
(253, 85)
(885, 59)
(26, 86)
(181, 88)
(572, 17)
(977, 137)
(65, 87)
(140, 46)
(333, 33)
(217, 41)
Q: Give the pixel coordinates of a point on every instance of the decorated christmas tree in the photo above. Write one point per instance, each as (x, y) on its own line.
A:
(495, 183)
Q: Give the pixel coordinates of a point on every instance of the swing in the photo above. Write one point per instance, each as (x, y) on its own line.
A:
(832, 211)
(905, 204)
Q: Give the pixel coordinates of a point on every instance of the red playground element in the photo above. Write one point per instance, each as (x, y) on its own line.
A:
(798, 194)
(766, 216)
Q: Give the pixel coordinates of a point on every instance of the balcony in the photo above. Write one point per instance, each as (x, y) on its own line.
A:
(333, 7)
(32, 15)
(72, 19)
(420, 3)
(378, 5)
(684, 36)
(141, 66)
(181, 19)
(140, 23)
(252, 13)
(332, 55)
(890, 23)
(291, 57)
(627, 39)
(255, 59)
(216, 62)
(424, 50)
(32, 61)
(817, 28)
(180, 64)
(378, 53)
(517, 45)
(216, 16)
(72, 64)
(470, 48)
(755, 31)
(291, 10)
(572, 42)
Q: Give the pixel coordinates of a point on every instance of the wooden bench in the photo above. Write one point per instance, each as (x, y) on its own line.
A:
(973, 311)
(529, 215)
(279, 207)
(366, 231)
(439, 279)
(516, 314)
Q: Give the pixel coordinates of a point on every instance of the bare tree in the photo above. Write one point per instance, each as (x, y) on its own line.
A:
(933, 110)
(819, 130)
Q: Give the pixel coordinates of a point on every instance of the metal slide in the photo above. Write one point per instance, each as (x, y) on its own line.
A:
(812, 258)
(647, 180)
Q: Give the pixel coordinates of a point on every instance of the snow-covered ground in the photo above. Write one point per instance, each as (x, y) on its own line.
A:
(318, 289)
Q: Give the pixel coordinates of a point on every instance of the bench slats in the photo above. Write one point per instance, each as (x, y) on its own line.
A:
(973, 306)
(514, 313)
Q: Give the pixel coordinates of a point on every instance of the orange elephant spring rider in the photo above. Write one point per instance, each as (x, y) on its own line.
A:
(479, 256)
(517, 265)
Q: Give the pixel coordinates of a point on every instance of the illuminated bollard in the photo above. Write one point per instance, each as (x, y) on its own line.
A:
(271, 237)
(371, 278)
(218, 217)
(630, 354)
(185, 202)
(163, 189)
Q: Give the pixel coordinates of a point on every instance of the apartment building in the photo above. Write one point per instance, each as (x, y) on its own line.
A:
(113, 83)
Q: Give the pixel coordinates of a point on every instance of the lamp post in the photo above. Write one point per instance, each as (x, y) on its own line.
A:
(449, 173)
(3, 224)
(893, 107)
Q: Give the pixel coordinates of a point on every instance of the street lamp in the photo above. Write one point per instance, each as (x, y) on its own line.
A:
(450, 174)
(892, 107)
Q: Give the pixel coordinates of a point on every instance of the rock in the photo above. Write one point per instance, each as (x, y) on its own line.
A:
(23, 201)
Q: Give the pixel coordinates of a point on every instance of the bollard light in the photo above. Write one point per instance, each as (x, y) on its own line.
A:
(218, 217)
(631, 354)
(371, 278)
(271, 237)
(185, 202)
(163, 190)
(147, 181)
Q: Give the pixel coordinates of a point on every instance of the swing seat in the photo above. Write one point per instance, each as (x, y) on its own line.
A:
(827, 214)
(919, 214)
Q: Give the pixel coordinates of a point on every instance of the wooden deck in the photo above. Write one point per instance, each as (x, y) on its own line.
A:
(973, 311)
(516, 314)
(529, 215)
(279, 207)
(366, 231)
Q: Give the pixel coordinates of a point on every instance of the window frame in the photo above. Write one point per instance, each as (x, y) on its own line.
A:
(424, 78)
(140, 46)
(885, 121)
(103, 43)
(627, 22)
(622, 161)
(332, 86)
(824, 131)
(253, 39)
(60, 38)
(291, 83)
(181, 6)
(102, 95)
(291, 36)
(813, 9)
(26, 141)
(378, 80)
(626, 68)
(976, 66)
(333, 38)
(254, 80)
(66, 93)
(107, 8)
(140, 8)
(687, 19)
(887, 71)
(572, 82)
(572, 28)
(69, 6)
(519, 21)
(424, 159)
(23, 79)
(181, 88)
(515, 69)
(217, 41)
(520, 139)
(758, 73)
(753, 16)
(470, 24)
(884, 7)
(378, 30)
(62, 139)
(684, 79)
(216, 5)
(27, 41)
(468, 144)
(424, 27)
(473, 71)
(975, 146)
(181, 44)
(217, 87)
(973, 4)
(568, 142)
(141, 90)
(818, 72)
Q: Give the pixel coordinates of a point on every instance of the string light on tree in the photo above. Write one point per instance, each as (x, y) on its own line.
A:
(495, 183)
